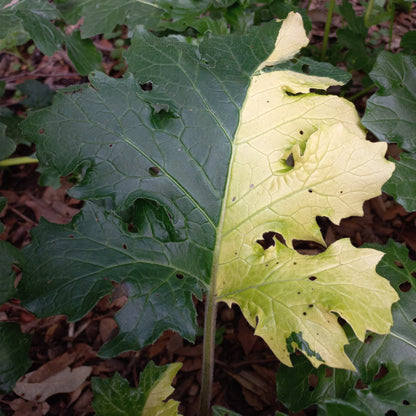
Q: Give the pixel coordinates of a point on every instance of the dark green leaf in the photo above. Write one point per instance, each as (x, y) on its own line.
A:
(7, 145)
(9, 255)
(83, 53)
(36, 16)
(386, 371)
(101, 253)
(402, 185)
(409, 40)
(38, 95)
(221, 411)
(102, 16)
(71, 10)
(14, 349)
(390, 111)
(114, 397)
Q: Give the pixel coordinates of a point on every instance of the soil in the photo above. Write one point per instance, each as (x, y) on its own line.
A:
(245, 367)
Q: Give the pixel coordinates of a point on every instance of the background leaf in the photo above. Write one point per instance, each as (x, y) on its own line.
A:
(389, 115)
(402, 185)
(114, 396)
(38, 95)
(14, 350)
(390, 111)
(82, 52)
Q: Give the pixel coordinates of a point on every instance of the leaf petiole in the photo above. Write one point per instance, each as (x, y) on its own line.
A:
(18, 161)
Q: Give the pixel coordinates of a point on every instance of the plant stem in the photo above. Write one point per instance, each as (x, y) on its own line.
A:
(327, 28)
(362, 92)
(368, 13)
(392, 10)
(209, 349)
(18, 161)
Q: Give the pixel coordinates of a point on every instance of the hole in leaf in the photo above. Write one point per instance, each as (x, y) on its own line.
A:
(305, 69)
(301, 132)
(405, 286)
(154, 171)
(304, 314)
(310, 191)
(398, 264)
(110, 145)
(268, 239)
(310, 306)
(290, 161)
(312, 278)
(329, 372)
(307, 247)
(341, 321)
(369, 339)
(391, 412)
(234, 198)
(414, 320)
(125, 246)
(41, 131)
(360, 385)
(381, 373)
(179, 276)
(147, 86)
(406, 402)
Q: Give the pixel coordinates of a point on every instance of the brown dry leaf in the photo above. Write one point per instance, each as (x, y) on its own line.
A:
(108, 328)
(24, 408)
(246, 336)
(65, 381)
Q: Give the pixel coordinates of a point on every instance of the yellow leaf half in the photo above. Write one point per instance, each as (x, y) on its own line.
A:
(297, 157)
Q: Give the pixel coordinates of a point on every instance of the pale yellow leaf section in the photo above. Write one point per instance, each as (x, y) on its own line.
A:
(335, 170)
(282, 292)
(155, 404)
(291, 39)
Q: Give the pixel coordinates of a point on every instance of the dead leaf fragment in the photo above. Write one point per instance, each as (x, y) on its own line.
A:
(65, 381)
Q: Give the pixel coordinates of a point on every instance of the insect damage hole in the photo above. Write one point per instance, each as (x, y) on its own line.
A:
(154, 171)
(405, 286)
(147, 86)
(179, 276)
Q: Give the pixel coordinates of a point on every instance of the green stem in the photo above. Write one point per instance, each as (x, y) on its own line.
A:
(327, 28)
(207, 377)
(15, 52)
(362, 92)
(18, 161)
(368, 13)
(392, 9)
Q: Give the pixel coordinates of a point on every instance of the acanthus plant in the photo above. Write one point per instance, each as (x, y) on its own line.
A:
(181, 181)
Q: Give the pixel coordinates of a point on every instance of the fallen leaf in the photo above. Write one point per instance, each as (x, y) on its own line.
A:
(65, 381)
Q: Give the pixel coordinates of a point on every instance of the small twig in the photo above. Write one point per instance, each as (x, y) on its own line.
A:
(328, 22)
(368, 13)
(362, 92)
(23, 216)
